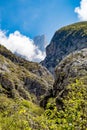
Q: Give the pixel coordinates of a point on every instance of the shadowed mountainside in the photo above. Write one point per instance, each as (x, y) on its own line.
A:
(65, 40)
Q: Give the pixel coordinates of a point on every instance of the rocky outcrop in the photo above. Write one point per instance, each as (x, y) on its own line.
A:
(66, 40)
(71, 69)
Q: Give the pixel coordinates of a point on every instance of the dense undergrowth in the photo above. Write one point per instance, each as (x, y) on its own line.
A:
(20, 114)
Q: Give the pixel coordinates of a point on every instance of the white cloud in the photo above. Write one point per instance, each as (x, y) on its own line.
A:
(23, 45)
(82, 10)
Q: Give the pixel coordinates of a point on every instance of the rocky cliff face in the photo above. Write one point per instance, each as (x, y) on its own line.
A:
(66, 40)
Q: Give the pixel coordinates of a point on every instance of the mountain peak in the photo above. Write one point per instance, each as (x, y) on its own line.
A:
(41, 42)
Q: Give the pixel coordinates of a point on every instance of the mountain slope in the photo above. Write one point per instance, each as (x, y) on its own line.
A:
(23, 76)
(65, 40)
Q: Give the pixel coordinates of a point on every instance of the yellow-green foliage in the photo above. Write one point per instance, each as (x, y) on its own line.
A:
(74, 114)
(18, 114)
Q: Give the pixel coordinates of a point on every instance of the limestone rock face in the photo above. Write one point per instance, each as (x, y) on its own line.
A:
(66, 40)
(70, 69)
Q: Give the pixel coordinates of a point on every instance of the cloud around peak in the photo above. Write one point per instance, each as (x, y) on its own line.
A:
(22, 45)
(82, 10)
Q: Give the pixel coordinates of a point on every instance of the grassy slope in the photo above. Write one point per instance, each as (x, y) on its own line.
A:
(80, 27)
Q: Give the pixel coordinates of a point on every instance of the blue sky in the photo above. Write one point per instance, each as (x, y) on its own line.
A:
(35, 17)
(22, 20)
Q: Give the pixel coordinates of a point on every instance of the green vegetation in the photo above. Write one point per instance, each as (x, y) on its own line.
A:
(20, 114)
(73, 116)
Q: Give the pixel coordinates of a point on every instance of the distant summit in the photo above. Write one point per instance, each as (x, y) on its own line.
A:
(40, 41)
